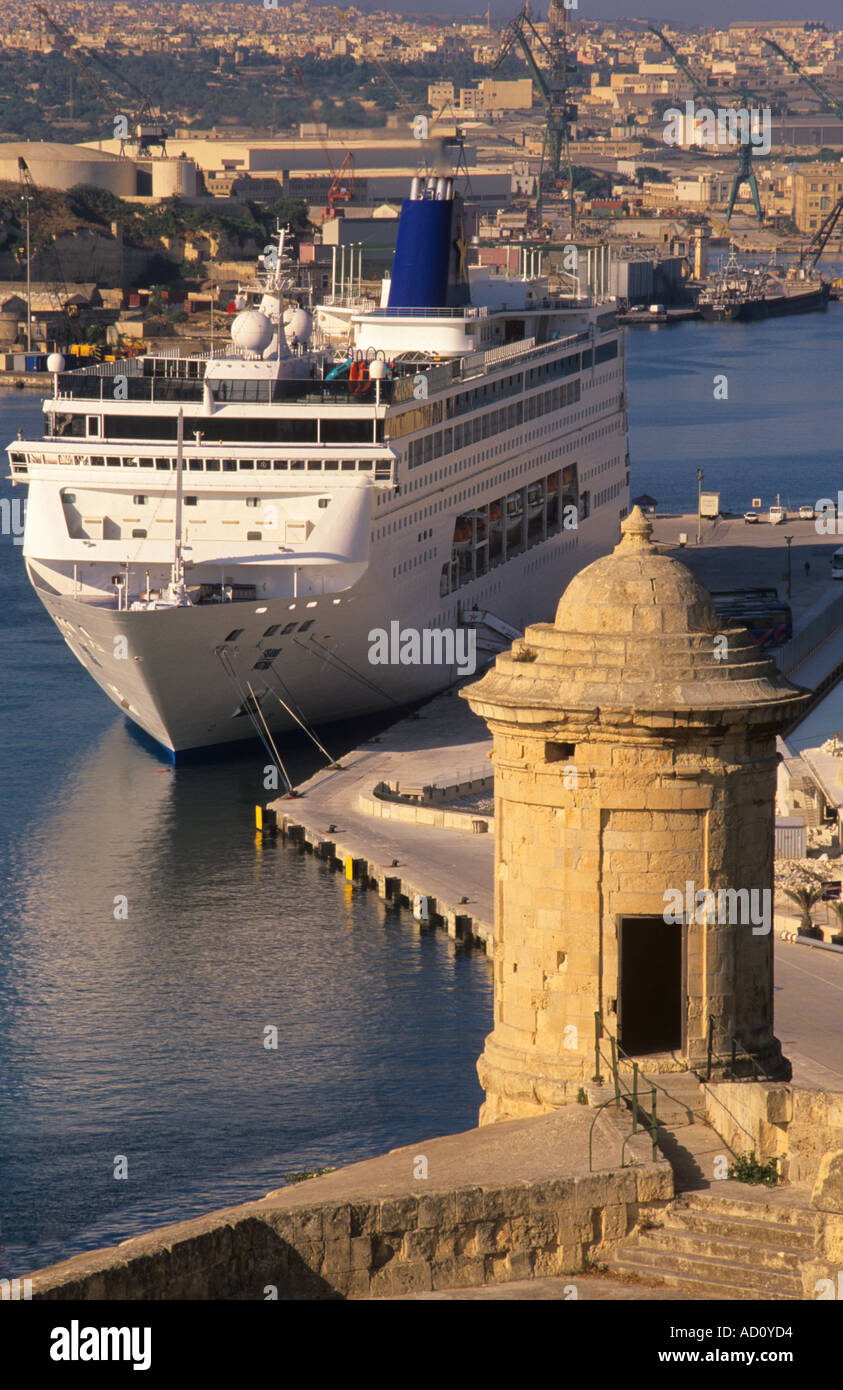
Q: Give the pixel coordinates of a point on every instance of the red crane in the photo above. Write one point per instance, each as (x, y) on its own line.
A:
(342, 183)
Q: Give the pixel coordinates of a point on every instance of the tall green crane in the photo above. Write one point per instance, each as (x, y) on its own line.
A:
(559, 113)
(828, 101)
(811, 253)
(745, 173)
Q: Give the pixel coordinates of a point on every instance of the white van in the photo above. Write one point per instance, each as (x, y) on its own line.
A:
(777, 515)
(837, 564)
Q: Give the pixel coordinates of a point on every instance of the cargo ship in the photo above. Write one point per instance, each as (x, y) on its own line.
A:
(738, 293)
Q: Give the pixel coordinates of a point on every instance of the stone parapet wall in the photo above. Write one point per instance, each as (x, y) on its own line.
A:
(289, 1248)
(791, 1123)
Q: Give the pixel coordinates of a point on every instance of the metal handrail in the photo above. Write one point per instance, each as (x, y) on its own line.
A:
(652, 1120)
(736, 1046)
(616, 1048)
(652, 1124)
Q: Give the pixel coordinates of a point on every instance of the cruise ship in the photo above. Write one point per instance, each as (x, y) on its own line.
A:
(220, 537)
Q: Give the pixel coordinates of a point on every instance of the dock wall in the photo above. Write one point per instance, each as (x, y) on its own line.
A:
(387, 880)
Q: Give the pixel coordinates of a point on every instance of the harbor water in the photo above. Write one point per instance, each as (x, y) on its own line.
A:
(777, 433)
(149, 944)
(144, 1037)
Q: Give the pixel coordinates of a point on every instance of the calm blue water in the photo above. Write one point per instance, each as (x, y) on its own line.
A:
(780, 431)
(144, 1037)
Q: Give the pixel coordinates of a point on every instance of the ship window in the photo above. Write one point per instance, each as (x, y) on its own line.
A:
(138, 534)
(247, 463)
(364, 463)
(313, 464)
(279, 463)
(68, 497)
(94, 427)
(324, 501)
(306, 625)
(191, 501)
(254, 535)
(253, 501)
(140, 499)
(348, 465)
(195, 465)
(297, 463)
(262, 463)
(130, 463)
(234, 634)
(145, 463)
(291, 627)
(212, 465)
(332, 464)
(271, 631)
(229, 465)
(112, 461)
(163, 463)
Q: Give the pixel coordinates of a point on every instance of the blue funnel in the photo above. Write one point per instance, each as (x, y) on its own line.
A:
(430, 267)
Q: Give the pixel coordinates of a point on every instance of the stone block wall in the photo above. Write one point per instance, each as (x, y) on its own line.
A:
(284, 1247)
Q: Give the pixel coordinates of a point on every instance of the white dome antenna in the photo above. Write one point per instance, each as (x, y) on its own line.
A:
(252, 332)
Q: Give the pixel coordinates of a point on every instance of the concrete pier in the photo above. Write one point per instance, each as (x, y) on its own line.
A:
(398, 846)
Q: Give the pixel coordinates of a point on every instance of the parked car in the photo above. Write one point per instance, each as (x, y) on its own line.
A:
(806, 513)
(750, 516)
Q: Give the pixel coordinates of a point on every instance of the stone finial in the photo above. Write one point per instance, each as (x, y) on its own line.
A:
(636, 531)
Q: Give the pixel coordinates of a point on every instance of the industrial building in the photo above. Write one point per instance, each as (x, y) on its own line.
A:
(816, 188)
(54, 165)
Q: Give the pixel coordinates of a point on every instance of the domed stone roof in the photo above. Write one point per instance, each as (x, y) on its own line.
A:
(635, 635)
(637, 590)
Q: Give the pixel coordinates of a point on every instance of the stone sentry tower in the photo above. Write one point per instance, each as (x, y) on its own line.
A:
(635, 768)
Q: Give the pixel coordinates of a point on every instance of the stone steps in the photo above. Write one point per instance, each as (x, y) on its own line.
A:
(725, 1246)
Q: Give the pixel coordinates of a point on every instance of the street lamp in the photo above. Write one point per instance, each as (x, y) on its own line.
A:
(788, 540)
(700, 476)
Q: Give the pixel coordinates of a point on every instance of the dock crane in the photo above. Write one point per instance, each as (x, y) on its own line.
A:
(828, 101)
(745, 173)
(342, 183)
(149, 129)
(559, 113)
(810, 254)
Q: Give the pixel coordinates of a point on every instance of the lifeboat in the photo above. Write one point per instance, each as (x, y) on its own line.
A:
(462, 530)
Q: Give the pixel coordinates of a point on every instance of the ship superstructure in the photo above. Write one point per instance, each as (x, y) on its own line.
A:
(737, 293)
(216, 537)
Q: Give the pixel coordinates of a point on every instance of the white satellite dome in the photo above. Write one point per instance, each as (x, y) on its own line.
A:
(377, 369)
(55, 362)
(252, 331)
(299, 325)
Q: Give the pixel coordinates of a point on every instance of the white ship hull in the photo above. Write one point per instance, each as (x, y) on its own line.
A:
(173, 685)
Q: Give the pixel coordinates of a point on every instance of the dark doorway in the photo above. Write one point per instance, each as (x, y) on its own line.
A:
(650, 985)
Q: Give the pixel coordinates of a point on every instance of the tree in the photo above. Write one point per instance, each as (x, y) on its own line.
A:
(646, 173)
(806, 899)
(837, 909)
(290, 212)
(95, 204)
